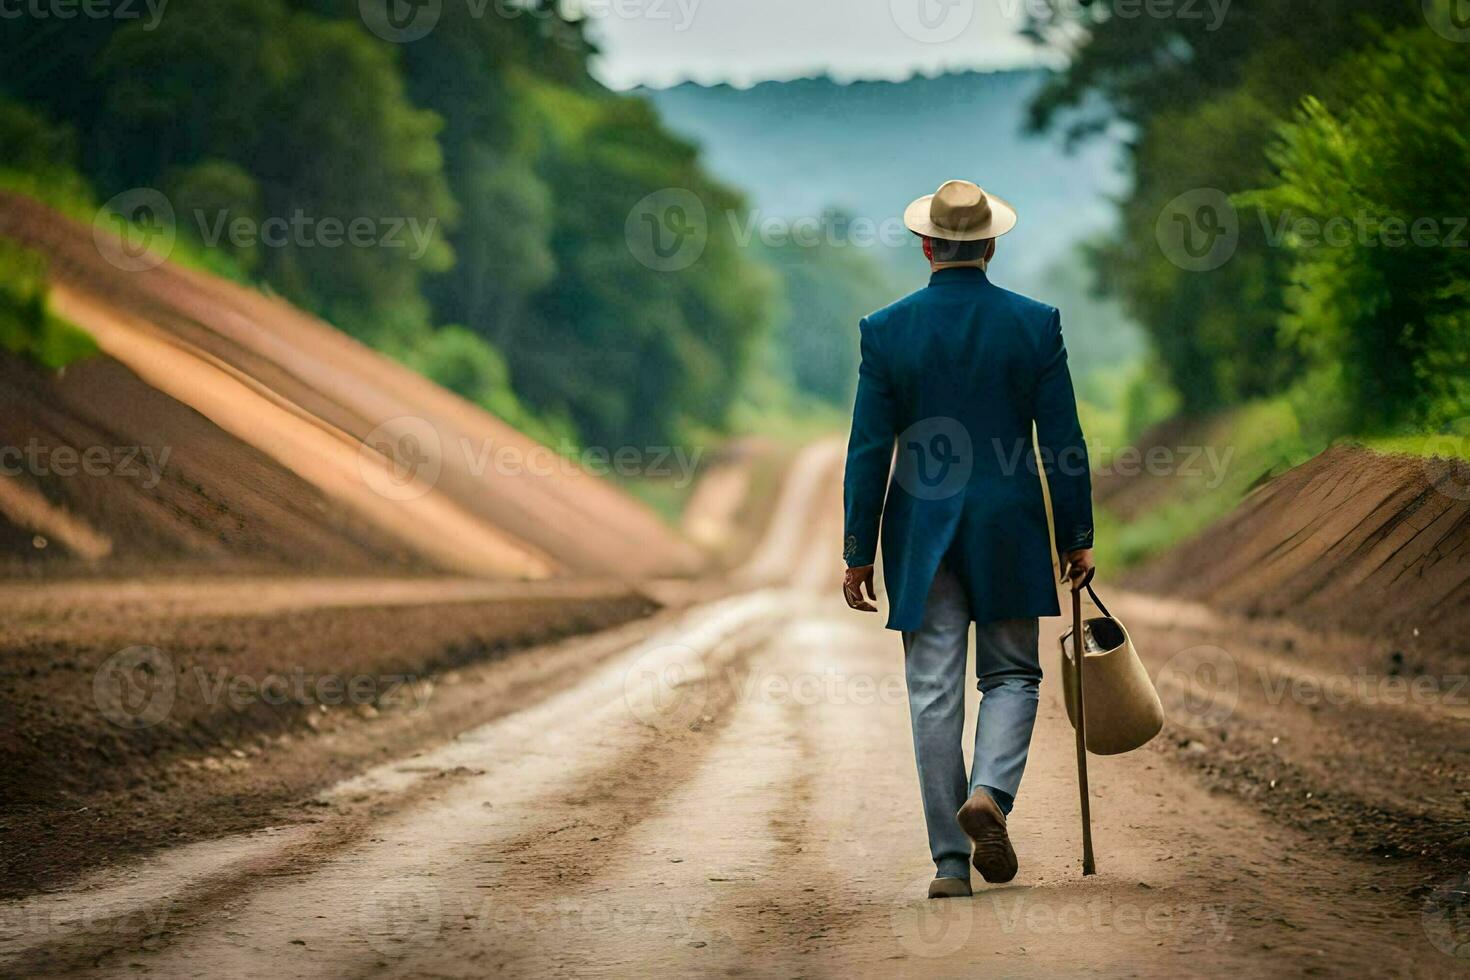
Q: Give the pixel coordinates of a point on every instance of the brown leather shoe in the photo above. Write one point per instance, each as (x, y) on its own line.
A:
(983, 822)
(949, 888)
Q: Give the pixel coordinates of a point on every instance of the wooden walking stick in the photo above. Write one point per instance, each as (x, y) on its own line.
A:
(1079, 652)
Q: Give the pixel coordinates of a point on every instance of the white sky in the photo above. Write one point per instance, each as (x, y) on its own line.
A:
(662, 42)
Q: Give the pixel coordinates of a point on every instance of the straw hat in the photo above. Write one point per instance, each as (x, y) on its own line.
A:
(959, 212)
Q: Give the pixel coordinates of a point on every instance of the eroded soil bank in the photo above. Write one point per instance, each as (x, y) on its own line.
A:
(145, 724)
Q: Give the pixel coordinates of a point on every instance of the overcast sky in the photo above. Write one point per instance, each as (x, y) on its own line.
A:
(662, 42)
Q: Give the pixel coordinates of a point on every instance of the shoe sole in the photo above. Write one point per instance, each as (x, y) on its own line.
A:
(994, 857)
(949, 888)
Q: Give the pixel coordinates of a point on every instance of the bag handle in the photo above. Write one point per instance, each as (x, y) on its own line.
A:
(1087, 584)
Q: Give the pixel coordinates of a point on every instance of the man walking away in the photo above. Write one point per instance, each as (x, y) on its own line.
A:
(956, 375)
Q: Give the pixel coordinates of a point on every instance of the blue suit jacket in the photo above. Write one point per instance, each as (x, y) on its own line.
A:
(955, 375)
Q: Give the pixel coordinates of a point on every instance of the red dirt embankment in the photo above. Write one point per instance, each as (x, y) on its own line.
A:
(168, 491)
(1313, 657)
(236, 497)
(276, 421)
(1352, 540)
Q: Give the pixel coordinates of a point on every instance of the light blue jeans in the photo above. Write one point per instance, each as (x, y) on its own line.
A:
(1008, 667)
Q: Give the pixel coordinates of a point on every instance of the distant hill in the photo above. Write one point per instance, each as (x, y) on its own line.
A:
(802, 146)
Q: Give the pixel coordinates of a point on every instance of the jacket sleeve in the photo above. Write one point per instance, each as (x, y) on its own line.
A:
(1063, 448)
(869, 455)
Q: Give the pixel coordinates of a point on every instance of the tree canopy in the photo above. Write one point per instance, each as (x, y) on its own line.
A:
(459, 201)
(1330, 109)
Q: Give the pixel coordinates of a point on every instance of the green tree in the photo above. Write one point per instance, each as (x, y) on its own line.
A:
(212, 190)
(314, 111)
(546, 165)
(488, 135)
(39, 156)
(826, 288)
(1202, 99)
(1376, 233)
(465, 364)
(633, 354)
(472, 72)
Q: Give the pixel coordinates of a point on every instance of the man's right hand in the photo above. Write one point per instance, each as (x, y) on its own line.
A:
(1076, 565)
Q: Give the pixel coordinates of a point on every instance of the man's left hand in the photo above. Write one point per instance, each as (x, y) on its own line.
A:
(1076, 565)
(853, 584)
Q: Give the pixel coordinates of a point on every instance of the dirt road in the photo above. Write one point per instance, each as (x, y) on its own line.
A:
(731, 792)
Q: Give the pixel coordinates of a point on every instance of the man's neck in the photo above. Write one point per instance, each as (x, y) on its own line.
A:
(978, 264)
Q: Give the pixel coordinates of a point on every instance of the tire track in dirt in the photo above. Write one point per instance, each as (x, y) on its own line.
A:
(507, 778)
(109, 912)
(753, 810)
(648, 901)
(93, 923)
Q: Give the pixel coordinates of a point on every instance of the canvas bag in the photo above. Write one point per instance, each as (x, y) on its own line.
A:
(1123, 709)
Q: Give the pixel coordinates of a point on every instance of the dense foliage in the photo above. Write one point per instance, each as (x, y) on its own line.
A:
(1380, 275)
(496, 175)
(1331, 109)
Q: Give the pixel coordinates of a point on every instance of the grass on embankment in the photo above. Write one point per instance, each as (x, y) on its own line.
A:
(1212, 464)
(1452, 444)
(27, 324)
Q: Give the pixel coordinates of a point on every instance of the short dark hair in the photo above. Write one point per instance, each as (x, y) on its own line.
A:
(947, 251)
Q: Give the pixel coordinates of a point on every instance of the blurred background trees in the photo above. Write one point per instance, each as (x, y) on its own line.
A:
(1352, 111)
(489, 133)
(492, 136)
